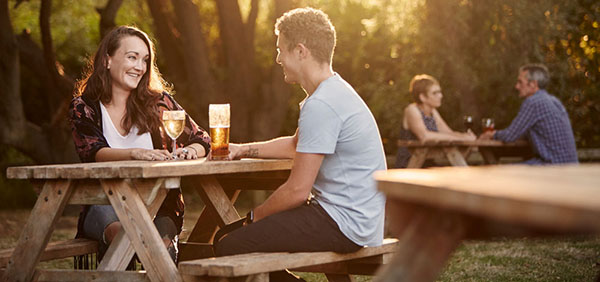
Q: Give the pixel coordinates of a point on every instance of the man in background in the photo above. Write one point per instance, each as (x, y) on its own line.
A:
(542, 119)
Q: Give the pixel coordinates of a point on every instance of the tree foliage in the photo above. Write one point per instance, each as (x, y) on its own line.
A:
(223, 51)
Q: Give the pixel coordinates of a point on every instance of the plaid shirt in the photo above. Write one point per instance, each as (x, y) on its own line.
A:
(85, 118)
(86, 125)
(543, 120)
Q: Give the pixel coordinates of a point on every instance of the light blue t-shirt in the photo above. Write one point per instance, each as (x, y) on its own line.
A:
(336, 122)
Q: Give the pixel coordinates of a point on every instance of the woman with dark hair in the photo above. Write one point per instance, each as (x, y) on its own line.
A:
(421, 119)
(116, 115)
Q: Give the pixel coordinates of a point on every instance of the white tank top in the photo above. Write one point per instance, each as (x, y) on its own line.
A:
(118, 141)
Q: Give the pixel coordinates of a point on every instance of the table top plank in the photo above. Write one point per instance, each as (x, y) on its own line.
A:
(474, 143)
(554, 196)
(145, 169)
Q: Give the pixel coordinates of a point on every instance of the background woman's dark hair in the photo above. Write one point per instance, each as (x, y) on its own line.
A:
(420, 84)
(141, 104)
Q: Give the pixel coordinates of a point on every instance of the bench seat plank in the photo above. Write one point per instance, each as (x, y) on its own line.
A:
(253, 263)
(57, 250)
(67, 275)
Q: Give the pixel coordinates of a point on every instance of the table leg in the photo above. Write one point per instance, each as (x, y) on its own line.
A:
(488, 156)
(417, 158)
(455, 157)
(120, 252)
(138, 225)
(425, 243)
(203, 232)
(35, 236)
(215, 198)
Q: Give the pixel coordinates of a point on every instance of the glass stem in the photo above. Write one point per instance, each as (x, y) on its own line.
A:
(174, 149)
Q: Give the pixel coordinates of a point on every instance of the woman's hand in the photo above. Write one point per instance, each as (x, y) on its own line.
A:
(187, 153)
(150, 155)
(470, 136)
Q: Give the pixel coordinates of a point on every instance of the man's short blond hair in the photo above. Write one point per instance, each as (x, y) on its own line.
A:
(312, 28)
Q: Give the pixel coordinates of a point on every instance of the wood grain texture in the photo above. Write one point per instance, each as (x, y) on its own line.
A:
(56, 250)
(66, 275)
(36, 233)
(214, 197)
(561, 198)
(145, 169)
(247, 264)
(120, 252)
(140, 230)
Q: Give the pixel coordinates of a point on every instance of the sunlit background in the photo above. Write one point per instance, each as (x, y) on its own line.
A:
(223, 51)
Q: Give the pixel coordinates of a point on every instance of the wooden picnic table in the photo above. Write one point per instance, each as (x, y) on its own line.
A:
(457, 151)
(432, 210)
(135, 189)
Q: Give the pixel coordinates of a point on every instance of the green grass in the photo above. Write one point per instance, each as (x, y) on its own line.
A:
(575, 258)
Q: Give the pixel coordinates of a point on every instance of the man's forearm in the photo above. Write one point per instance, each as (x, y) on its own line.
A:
(279, 148)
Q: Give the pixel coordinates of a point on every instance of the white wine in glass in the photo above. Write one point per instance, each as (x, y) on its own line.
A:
(174, 122)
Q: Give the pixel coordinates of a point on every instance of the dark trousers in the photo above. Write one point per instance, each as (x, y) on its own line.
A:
(307, 228)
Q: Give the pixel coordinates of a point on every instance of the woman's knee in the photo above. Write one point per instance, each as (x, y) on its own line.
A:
(111, 231)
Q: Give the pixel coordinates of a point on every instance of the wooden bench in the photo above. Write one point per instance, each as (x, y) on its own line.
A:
(256, 266)
(58, 250)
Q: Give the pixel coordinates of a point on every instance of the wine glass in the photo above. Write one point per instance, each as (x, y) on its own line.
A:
(468, 122)
(173, 122)
(487, 124)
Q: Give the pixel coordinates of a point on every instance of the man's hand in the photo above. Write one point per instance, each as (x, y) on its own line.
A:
(236, 151)
(488, 135)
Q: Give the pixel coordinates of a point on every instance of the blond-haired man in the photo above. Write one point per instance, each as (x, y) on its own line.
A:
(330, 201)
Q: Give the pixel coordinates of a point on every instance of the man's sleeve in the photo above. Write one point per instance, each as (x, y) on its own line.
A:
(318, 128)
(528, 115)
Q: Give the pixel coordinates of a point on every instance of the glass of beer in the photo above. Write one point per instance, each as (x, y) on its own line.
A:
(174, 122)
(487, 124)
(218, 119)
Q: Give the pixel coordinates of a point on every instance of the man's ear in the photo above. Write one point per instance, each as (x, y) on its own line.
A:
(302, 51)
(534, 84)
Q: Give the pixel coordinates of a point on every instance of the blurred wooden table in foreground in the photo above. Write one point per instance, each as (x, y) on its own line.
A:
(457, 151)
(432, 210)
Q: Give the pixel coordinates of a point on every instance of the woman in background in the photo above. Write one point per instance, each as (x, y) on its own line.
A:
(421, 119)
(116, 115)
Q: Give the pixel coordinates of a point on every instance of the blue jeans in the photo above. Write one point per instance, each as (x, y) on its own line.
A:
(100, 216)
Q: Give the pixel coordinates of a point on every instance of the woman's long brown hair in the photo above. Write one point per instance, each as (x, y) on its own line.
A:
(141, 105)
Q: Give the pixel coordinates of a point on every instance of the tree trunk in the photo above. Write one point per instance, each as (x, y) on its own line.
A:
(258, 104)
(202, 87)
(241, 85)
(274, 94)
(50, 142)
(107, 16)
